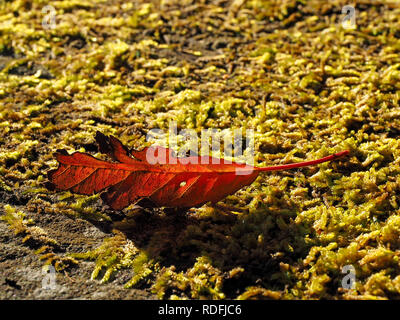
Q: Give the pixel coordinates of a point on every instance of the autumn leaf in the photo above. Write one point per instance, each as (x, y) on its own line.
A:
(154, 176)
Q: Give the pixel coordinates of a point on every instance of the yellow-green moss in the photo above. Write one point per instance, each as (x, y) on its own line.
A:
(287, 69)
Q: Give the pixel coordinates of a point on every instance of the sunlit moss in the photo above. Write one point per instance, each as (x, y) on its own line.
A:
(115, 253)
(15, 219)
(287, 69)
(202, 281)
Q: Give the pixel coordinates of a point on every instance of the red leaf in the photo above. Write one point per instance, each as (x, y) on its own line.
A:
(135, 175)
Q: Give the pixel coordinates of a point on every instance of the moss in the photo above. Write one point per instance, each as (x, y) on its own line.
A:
(15, 219)
(59, 262)
(202, 281)
(115, 253)
(257, 293)
(286, 69)
(83, 208)
(35, 236)
(142, 267)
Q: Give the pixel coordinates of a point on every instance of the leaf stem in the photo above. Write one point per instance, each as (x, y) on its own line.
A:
(305, 163)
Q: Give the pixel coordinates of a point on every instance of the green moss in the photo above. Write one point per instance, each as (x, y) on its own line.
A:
(286, 69)
(142, 267)
(36, 236)
(115, 253)
(202, 281)
(15, 219)
(257, 293)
